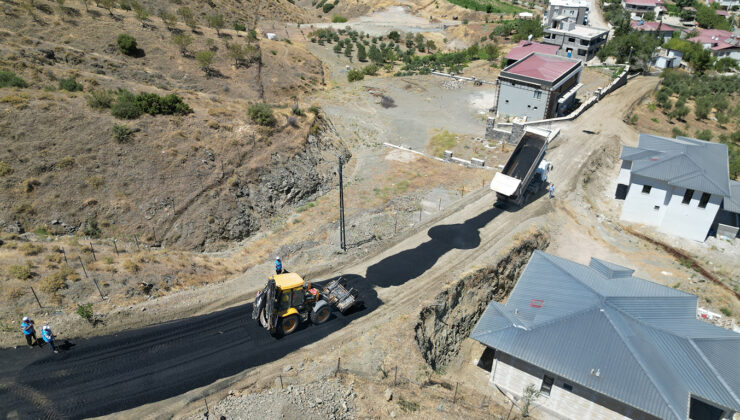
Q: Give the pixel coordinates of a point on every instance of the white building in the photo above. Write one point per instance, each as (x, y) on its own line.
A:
(575, 11)
(601, 344)
(676, 185)
(667, 59)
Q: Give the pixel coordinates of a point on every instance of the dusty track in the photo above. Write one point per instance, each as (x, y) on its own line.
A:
(107, 374)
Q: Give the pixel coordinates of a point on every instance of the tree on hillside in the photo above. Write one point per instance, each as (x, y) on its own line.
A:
(242, 54)
(216, 22)
(707, 17)
(361, 53)
(642, 46)
(205, 60)
(188, 17)
(182, 41)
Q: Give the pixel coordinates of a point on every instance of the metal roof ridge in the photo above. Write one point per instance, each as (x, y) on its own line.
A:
(639, 360)
(711, 366)
(576, 278)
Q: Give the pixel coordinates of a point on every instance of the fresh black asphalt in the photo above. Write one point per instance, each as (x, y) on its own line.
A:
(102, 375)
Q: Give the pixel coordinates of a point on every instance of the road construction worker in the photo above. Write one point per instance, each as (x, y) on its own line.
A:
(552, 190)
(29, 331)
(278, 265)
(48, 337)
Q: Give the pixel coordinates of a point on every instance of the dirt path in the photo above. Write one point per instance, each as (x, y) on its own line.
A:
(112, 373)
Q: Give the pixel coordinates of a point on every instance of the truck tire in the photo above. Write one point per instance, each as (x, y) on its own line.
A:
(320, 313)
(289, 324)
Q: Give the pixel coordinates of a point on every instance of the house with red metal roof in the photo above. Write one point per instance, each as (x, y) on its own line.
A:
(656, 28)
(538, 86)
(721, 43)
(524, 48)
(641, 7)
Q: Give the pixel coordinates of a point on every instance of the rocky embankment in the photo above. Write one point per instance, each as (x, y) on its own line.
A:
(447, 321)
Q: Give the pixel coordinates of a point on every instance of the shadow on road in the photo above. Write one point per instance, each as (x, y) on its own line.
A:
(106, 374)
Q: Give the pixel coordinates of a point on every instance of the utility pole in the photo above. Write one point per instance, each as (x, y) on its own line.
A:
(342, 238)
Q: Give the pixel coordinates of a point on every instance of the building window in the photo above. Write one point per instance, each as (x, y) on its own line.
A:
(656, 208)
(568, 387)
(537, 94)
(646, 189)
(704, 200)
(687, 196)
(571, 40)
(547, 385)
(582, 52)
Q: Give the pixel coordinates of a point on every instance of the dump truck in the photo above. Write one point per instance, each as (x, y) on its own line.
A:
(518, 178)
(287, 301)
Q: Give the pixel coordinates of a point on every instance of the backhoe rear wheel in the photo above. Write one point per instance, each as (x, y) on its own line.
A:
(289, 324)
(321, 313)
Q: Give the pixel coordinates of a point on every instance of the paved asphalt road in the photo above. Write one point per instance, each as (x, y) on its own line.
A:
(102, 375)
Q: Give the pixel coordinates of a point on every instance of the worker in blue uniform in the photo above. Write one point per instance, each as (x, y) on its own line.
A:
(29, 331)
(48, 337)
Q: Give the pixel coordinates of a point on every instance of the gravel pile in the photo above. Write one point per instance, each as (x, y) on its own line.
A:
(317, 400)
(452, 84)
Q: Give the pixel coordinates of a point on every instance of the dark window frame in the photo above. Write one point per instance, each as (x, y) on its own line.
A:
(567, 387)
(704, 200)
(687, 196)
(646, 189)
(546, 387)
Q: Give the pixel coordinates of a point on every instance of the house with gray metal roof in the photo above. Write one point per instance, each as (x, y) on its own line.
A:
(677, 185)
(600, 343)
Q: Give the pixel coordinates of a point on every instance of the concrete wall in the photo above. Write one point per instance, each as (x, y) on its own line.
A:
(520, 101)
(662, 207)
(575, 14)
(578, 51)
(513, 375)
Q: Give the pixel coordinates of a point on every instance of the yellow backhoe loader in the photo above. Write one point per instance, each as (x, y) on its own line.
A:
(287, 300)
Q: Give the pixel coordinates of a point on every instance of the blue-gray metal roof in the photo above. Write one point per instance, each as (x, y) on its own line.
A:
(642, 338)
(683, 162)
(732, 203)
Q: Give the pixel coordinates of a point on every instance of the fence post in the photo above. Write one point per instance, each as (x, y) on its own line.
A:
(95, 282)
(93, 251)
(115, 246)
(83, 266)
(37, 298)
(65, 256)
(454, 398)
(137, 242)
(281, 381)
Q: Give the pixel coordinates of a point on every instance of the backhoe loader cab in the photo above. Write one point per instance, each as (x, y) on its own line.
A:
(287, 300)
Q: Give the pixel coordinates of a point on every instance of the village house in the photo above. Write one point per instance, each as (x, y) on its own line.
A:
(655, 28)
(720, 42)
(524, 48)
(575, 11)
(599, 343)
(538, 86)
(638, 8)
(677, 185)
(575, 41)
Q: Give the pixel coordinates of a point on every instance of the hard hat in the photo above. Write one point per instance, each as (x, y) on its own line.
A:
(25, 318)
(277, 258)
(46, 327)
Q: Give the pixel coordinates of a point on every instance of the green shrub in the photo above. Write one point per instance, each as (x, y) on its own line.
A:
(100, 99)
(125, 106)
(9, 79)
(726, 311)
(314, 109)
(355, 75)
(261, 114)
(678, 132)
(70, 85)
(327, 7)
(239, 27)
(6, 169)
(121, 133)
(338, 19)
(705, 134)
(20, 272)
(370, 69)
(59, 279)
(126, 44)
(85, 311)
(153, 104)
(297, 111)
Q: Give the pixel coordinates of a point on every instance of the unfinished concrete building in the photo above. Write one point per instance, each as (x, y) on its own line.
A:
(600, 344)
(538, 86)
(575, 41)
